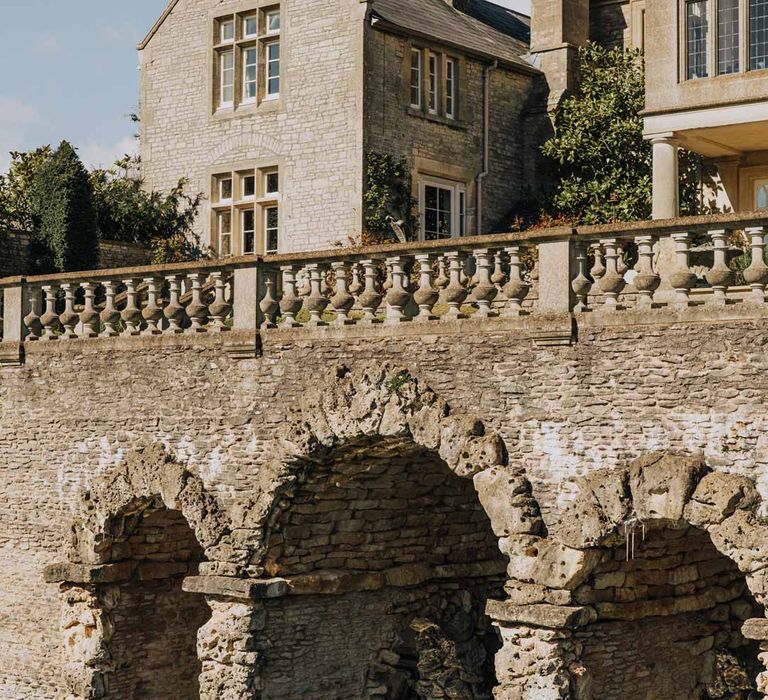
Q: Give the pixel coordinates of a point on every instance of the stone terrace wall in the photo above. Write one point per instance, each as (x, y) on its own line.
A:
(74, 410)
(15, 259)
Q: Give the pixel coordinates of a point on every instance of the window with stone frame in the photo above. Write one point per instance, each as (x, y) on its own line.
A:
(433, 85)
(443, 209)
(245, 207)
(247, 58)
(723, 37)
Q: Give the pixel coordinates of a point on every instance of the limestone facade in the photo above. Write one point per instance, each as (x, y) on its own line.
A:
(344, 90)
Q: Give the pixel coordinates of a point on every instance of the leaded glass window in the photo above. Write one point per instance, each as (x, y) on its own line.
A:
(728, 22)
(697, 38)
(758, 34)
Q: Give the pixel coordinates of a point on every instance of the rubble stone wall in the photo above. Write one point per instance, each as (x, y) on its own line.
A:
(74, 416)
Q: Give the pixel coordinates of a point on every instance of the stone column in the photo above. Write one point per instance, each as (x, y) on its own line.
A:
(228, 644)
(666, 179)
(539, 658)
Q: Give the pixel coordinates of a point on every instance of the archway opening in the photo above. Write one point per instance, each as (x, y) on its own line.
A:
(670, 609)
(391, 559)
(154, 641)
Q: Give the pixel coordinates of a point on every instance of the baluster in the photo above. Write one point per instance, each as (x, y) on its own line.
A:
(682, 279)
(611, 283)
(196, 309)
(498, 277)
(388, 277)
(485, 290)
(50, 319)
(109, 315)
(441, 280)
(342, 301)
(426, 295)
(131, 314)
(646, 280)
(356, 286)
(69, 318)
(455, 292)
(720, 277)
(152, 312)
(89, 318)
(517, 289)
(756, 275)
(291, 303)
(598, 269)
(174, 312)
(315, 304)
(220, 308)
(581, 285)
(32, 319)
(397, 296)
(268, 305)
(371, 298)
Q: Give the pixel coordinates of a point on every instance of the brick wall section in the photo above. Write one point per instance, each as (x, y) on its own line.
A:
(390, 128)
(351, 514)
(75, 409)
(15, 257)
(313, 133)
(642, 653)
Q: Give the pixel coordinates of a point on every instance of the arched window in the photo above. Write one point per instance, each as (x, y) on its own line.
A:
(761, 194)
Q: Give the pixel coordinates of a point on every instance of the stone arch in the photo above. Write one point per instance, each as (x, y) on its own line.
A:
(693, 593)
(138, 530)
(248, 146)
(397, 571)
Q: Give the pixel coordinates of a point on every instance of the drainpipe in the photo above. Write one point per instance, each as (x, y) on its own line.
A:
(486, 142)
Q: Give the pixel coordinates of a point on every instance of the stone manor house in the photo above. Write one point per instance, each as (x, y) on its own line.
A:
(280, 103)
(520, 466)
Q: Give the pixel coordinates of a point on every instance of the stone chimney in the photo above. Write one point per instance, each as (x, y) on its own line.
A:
(558, 29)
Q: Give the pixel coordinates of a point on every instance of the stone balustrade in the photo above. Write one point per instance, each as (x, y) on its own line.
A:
(646, 266)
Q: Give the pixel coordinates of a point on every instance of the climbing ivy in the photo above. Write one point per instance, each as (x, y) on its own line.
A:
(387, 196)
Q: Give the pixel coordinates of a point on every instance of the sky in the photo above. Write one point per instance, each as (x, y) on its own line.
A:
(69, 70)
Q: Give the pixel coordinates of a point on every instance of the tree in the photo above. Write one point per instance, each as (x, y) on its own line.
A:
(160, 221)
(64, 231)
(604, 165)
(15, 214)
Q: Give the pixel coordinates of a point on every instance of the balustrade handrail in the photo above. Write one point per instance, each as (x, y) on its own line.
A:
(227, 264)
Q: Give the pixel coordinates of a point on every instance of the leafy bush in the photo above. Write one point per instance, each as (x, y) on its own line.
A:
(64, 231)
(162, 221)
(603, 163)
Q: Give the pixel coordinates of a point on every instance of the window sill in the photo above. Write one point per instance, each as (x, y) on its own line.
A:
(248, 109)
(437, 119)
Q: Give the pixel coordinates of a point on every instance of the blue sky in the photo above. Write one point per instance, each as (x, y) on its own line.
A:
(70, 70)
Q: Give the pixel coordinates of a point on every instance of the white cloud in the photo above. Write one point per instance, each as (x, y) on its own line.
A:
(16, 118)
(99, 155)
(45, 42)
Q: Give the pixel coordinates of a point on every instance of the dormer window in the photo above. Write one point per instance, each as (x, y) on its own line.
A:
(723, 37)
(248, 60)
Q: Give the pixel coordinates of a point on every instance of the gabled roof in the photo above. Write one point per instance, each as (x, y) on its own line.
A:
(477, 27)
(167, 11)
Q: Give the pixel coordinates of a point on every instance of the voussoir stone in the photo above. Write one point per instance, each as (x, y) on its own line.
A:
(505, 494)
(547, 562)
(662, 484)
(743, 538)
(718, 496)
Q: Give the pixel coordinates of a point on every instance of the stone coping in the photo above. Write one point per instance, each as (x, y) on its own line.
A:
(540, 615)
(332, 582)
(120, 572)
